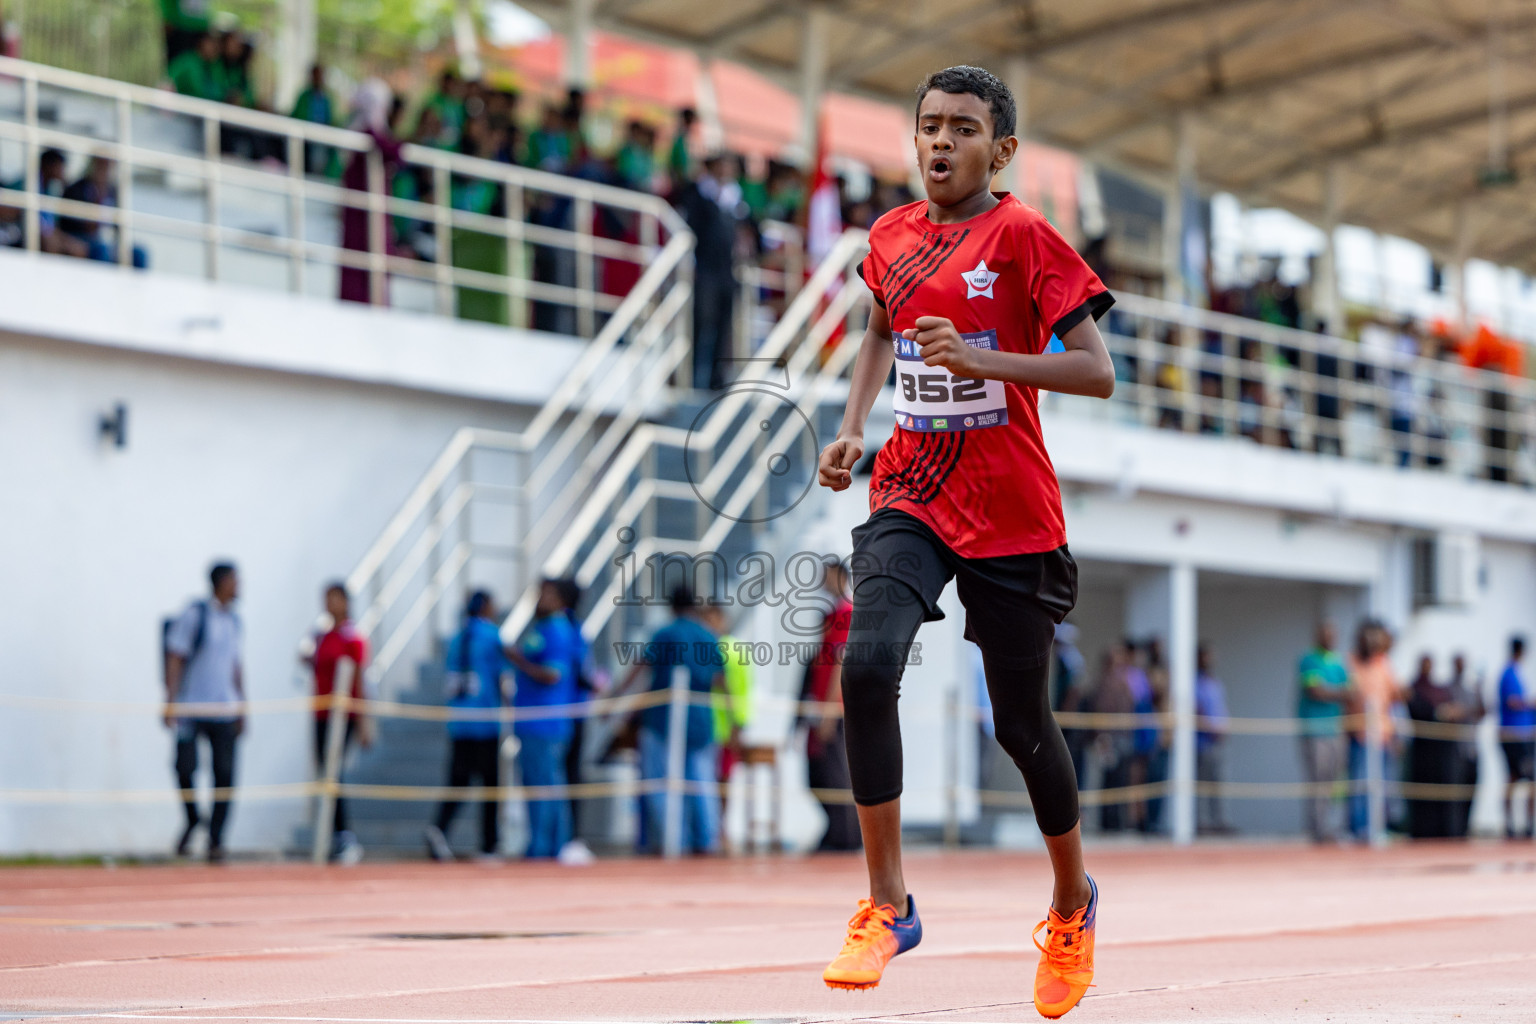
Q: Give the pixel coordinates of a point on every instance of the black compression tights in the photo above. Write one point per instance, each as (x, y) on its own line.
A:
(886, 614)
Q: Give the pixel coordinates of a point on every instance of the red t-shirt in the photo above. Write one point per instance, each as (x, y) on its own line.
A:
(341, 642)
(834, 635)
(967, 456)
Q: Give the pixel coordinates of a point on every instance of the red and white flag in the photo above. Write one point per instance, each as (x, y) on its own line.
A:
(824, 215)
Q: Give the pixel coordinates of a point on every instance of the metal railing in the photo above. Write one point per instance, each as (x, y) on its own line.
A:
(769, 283)
(493, 502)
(224, 193)
(1194, 371)
(728, 468)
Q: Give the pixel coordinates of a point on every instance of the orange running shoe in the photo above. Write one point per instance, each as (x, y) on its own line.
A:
(875, 934)
(1066, 959)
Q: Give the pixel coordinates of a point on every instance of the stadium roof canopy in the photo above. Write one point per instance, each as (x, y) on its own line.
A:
(1412, 117)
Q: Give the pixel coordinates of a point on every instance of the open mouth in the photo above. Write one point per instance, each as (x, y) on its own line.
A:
(939, 168)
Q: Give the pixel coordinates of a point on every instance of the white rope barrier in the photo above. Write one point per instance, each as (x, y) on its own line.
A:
(621, 706)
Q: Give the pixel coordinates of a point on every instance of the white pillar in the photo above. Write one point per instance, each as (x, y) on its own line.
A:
(1180, 181)
(1182, 644)
(815, 24)
(297, 36)
(707, 103)
(1329, 303)
(466, 43)
(578, 46)
(1161, 602)
(1016, 77)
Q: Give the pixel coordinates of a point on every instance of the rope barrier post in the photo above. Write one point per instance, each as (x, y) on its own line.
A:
(1375, 783)
(330, 774)
(677, 728)
(951, 768)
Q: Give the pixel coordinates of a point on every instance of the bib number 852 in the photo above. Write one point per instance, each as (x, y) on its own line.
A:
(941, 387)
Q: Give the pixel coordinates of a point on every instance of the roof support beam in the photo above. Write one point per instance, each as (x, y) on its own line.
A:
(1134, 95)
(815, 25)
(1370, 109)
(722, 40)
(939, 32)
(1407, 133)
(1109, 29)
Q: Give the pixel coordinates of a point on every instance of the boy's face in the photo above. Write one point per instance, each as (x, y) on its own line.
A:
(955, 149)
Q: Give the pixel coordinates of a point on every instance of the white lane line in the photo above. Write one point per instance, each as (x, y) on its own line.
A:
(908, 1018)
(322, 1020)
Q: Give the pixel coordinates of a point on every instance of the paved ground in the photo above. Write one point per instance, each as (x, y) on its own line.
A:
(1423, 933)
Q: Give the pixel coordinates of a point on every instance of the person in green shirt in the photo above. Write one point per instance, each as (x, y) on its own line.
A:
(1323, 690)
(448, 104)
(198, 72)
(733, 708)
(314, 105)
(185, 22)
(635, 161)
(680, 164)
(235, 71)
(549, 147)
(480, 251)
(733, 705)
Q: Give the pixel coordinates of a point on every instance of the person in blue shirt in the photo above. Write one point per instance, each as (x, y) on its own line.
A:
(476, 662)
(1517, 735)
(1211, 710)
(546, 660)
(683, 646)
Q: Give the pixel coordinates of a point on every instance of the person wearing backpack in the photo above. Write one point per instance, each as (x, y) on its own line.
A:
(476, 663)
(202, 668)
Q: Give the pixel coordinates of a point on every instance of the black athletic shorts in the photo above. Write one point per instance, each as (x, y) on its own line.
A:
(999, 594)
(1520, 757)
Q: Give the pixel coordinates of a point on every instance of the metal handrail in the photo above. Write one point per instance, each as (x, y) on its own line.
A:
(808, 322)
(215, 175)
(669, 337)
(1196, 371)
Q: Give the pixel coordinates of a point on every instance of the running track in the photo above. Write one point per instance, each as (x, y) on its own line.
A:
(1228, 934)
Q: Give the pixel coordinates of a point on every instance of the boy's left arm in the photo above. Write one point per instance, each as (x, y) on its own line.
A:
(1083, 369)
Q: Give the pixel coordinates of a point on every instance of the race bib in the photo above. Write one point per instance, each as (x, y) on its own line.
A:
(930, 398)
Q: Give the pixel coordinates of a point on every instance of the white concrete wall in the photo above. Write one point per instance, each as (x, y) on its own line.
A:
(292, 476)
(1258, 630)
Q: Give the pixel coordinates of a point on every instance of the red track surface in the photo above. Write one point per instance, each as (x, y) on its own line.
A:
(1230, 934)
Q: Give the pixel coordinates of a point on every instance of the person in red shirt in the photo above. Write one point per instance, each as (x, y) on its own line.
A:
(342, 642)
(973, 284)
(826, 750)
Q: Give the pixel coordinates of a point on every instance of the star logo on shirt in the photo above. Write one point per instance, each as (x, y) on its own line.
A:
(979, 281)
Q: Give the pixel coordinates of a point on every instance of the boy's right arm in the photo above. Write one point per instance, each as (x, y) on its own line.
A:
(870, 369)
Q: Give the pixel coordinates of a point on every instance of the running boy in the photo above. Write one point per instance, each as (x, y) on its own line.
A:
(974, 283)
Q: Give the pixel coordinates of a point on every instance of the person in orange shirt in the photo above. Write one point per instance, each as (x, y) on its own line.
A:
(1377, 689)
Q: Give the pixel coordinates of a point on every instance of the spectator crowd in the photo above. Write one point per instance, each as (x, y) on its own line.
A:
(1347, 706)
(1350, 707)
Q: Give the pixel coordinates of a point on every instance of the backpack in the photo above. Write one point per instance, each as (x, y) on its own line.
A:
(168, 624)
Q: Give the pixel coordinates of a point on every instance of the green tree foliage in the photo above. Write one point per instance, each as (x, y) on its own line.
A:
(116, 38)
(122, 38)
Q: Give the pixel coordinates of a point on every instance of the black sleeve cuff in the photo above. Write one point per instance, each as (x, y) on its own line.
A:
(858, 268)
(1095, 306)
